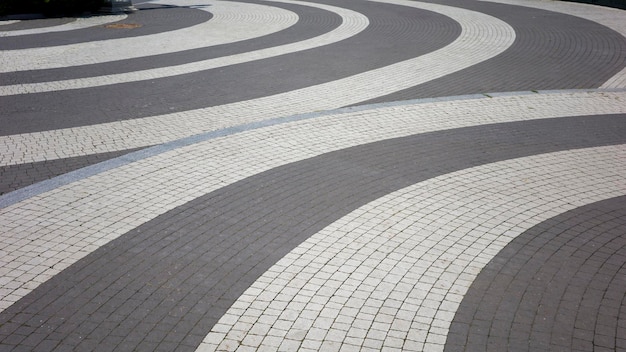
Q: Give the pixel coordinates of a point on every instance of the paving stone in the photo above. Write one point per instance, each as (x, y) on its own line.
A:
(174, 39)
(432, 342)
(152, 18)
(532, 62)
(14, 177)
(274, 105)
(364, 228)
(151, 275)
(581, 234)
(308, 19)
(195, 86)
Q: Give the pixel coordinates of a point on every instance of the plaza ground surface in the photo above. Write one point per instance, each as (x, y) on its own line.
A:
(326, 175)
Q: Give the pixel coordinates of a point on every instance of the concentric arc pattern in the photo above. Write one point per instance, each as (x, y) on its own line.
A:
(209, 175)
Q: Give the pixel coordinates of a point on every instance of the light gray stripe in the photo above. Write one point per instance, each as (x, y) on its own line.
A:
(201, 256)
(59, 181)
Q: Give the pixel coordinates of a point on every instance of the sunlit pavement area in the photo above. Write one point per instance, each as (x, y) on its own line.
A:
(347, 175)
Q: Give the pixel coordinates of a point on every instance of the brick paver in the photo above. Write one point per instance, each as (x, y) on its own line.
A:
(352, 24)
(157, 20)
(267, 217)
(14, 177)
(251, 20)
(533, 62)
(580, 253)
(398, 267)
(604, 16)
(128, 216)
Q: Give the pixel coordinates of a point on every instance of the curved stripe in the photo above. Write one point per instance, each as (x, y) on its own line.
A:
(93, 211)
(233, 20)
(29, 265)
(208, 251)
(86, 199)
(611, 18)
(552, 51)
(311, 22)
(581, 104)
(569, 271)
(79, 23)
(416, 33)
(152, 19)
(352, 24)
(482, 37)
(16, 177)
(391, 274)
(4, 23)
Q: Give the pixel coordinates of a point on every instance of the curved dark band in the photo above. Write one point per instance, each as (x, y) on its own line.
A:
(31, 21)
(167, 282)
(416, 31)
(558, 286)
(152, 19)
(551, 51)
(312, 22)
(15, 177)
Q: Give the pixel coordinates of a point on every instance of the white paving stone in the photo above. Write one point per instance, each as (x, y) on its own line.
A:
(78, 218)
(482, 37)
(231, 22)
(421, 262)
(352, 24)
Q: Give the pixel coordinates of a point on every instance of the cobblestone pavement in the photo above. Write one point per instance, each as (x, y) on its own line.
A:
(205, 175)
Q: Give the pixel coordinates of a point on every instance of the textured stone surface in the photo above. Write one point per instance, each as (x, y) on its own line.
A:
(261, 215)
(558, 286)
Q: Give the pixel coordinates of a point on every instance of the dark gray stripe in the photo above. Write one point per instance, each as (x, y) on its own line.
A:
(30, 21)
(618, 4)
(551, 51)
(166, 283)
(312, 22)
(73, 176)
(557, 287)
(395, 33)
(14, 177)
(152, 18)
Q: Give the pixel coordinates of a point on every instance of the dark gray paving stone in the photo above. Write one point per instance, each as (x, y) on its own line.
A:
(395, 33)
(311, 23)
(152, 19)
(14, 177)
(560, 307)
(185, 268)
(30, 21)
(551, 51)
